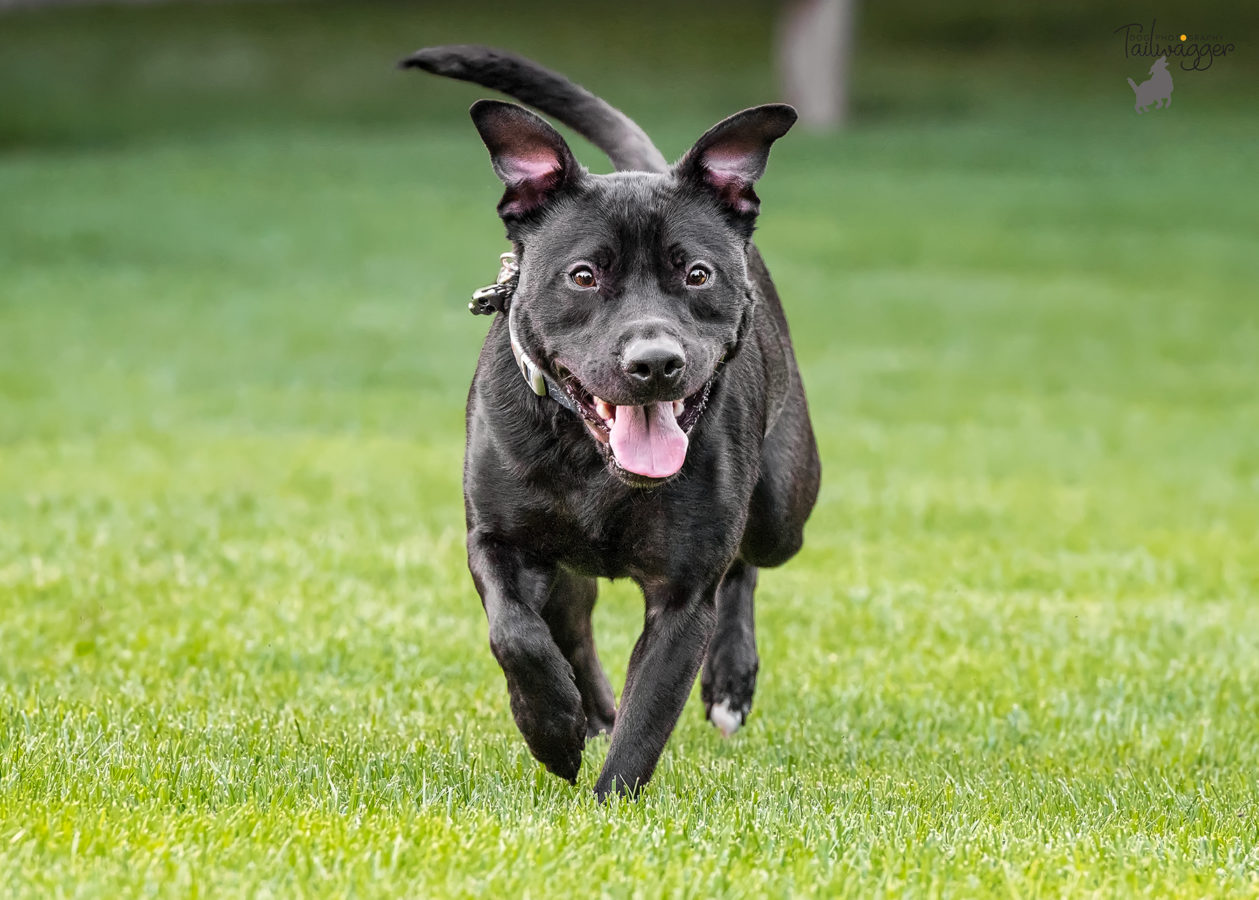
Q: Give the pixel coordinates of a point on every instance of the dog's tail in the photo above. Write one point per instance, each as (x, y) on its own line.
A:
(1132, 84)
(603, 125)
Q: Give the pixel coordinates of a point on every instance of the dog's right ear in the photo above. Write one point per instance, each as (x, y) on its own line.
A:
(529, 156)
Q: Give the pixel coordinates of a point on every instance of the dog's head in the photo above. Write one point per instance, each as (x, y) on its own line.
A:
(633, 286)
(1160, 65)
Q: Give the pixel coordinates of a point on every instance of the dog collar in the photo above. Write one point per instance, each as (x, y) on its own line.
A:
(496, 298)
(536, 377)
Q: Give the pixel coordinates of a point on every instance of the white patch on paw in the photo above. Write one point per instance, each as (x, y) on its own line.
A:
(725, 718)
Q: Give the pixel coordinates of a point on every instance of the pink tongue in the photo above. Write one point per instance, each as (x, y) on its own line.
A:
(646, 440)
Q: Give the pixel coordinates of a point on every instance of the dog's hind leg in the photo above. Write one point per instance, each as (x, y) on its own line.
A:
(786, 490)
(567, 613)
(781, 502)
(545, 701)
(729, 678)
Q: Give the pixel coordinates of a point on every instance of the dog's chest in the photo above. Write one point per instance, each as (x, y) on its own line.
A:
(613, 534)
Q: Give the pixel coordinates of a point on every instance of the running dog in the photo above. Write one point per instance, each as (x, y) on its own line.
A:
(636, 412)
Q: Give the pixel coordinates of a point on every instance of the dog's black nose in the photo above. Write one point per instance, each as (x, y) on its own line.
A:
(654, 363)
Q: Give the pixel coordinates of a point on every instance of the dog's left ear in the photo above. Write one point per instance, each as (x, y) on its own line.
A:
(732, 155)
(528, 155)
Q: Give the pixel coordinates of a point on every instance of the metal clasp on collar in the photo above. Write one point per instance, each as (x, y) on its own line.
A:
(494, 297)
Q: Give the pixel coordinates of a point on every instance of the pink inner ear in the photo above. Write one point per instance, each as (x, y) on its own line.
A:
(528, 176)
(732, 163)
(537, 166)
(727, 173)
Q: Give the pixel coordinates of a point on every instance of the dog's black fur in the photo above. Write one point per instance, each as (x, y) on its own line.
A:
(549, 507)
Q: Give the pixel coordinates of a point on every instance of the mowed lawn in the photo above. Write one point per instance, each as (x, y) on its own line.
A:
(240, 654)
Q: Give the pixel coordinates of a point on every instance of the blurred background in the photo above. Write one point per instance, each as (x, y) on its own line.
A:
(236, 245)
(233, 232)
(236, 248)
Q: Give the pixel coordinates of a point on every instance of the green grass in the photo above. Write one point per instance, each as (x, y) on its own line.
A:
(240, 654)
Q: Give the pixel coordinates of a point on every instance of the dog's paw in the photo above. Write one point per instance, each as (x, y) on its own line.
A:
(727, 718)
(550, 716)
(598, 725)
(727, 686)
(563, 758)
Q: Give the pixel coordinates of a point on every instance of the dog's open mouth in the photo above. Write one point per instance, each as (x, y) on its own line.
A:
(647, 443)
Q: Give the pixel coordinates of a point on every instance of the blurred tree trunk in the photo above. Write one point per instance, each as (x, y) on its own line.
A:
(812, 53)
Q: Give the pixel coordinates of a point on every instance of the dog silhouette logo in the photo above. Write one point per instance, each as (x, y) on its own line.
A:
(1157, 89)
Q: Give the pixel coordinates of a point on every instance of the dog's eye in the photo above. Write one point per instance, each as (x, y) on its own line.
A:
(697, 277)
(583, 277)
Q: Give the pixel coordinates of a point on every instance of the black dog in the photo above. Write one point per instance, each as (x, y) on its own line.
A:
(660, 431)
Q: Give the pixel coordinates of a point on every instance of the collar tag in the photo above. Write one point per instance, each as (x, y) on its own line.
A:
(532, 371)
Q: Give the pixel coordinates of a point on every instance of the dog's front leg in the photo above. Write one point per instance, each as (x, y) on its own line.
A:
(662, 668)
(545, 701)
